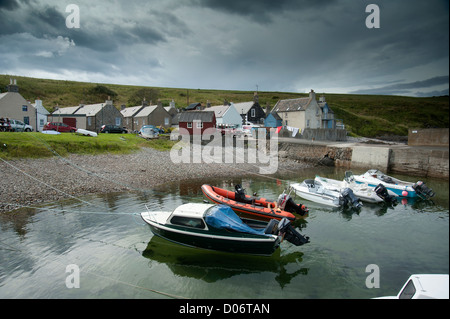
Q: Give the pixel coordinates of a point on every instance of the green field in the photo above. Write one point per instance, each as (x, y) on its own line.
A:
(38, 145)
(363, 115)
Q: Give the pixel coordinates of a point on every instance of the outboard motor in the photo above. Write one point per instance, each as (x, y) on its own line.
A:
(290, 234)
(423, 190)
(350, 198)
(382, 192)
(239, 194)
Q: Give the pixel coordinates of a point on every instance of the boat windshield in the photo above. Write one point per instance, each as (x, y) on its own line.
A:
(223, 217)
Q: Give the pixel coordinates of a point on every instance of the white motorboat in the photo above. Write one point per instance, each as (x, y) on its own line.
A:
(423, 286)
(361, 190)
(374, 177)
(316, 192)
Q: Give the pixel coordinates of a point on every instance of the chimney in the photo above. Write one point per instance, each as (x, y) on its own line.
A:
(172, 104)
(123, 107)
(208, 103)
(109, 101)
(13, 87)
(159, 102)
(144, 102)
(256, 97)
(312, 95)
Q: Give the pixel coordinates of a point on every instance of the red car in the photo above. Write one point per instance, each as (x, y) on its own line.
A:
(59, 127)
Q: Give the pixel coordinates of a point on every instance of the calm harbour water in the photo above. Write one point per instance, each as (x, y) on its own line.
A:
(118, 257)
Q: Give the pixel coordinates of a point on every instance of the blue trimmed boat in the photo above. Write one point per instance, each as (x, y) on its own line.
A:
(374, 177)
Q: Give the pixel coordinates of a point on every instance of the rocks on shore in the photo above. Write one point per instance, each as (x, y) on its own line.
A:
(31, 181)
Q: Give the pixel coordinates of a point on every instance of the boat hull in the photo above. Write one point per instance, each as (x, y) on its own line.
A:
(232, 242)
(304, 192)
(399, 188)
(260, 208)
(365, 193)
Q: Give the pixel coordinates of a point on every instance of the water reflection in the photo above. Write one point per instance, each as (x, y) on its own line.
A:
(212, 266)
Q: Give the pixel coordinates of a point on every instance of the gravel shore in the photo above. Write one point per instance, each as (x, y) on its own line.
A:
(28, 182)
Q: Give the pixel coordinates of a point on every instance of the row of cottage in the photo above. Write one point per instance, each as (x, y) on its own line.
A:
(300, 113)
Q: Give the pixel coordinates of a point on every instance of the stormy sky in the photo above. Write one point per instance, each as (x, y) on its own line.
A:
(272, 45)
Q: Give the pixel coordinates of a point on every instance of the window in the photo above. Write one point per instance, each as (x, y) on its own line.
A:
(409, 291)
(118, 121)
(189, 125)
(199, 124)
(253, 113)
(25, 108)
(188, 221)
(307, 123)
(26, 120)
(89, 121)
(166, 121)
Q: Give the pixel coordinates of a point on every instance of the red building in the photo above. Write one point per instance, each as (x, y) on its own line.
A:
(196, 122)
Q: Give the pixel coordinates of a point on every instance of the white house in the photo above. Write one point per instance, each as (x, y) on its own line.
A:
(41, 115)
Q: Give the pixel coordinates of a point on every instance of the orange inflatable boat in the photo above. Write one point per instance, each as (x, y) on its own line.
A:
(246, 204)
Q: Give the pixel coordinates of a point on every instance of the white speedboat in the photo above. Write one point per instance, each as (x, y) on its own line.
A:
(423, 286)
(315, 191)
(374, 177)
(361, 190)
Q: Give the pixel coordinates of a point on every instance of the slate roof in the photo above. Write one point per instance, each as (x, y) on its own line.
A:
(219, 110)
(146, 111)
(90, 109)
(275, 115)
(292, 105)
(243, 107)
(130, 111)
(204, 116)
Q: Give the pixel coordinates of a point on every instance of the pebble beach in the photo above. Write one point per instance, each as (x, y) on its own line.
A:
(28, 182)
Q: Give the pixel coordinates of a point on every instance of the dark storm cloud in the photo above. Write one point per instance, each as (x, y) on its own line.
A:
(261, 10)
(8, 4)
(51, 21)
(285, 45)
(405, 88)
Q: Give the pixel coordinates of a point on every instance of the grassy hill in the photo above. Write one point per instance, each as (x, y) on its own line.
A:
(363, 115)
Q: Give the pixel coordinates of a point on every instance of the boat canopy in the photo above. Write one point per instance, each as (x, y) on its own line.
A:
(223, 217)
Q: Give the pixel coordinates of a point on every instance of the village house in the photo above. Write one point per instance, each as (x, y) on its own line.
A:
(196, 122)
(273, 120)
(251, 111)
(226, 116)
(174, 113)
(152, 115)
(128, 114)
(41, 115)
(14, 106)
(90, 117)
(305, 113)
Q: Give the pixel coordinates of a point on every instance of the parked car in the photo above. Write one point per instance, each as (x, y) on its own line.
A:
(16, 126)
(158, 130)
(59, 127)
(113, 129)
